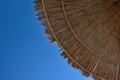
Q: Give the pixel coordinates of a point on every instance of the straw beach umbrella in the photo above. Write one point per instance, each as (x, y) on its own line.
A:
(88, 32)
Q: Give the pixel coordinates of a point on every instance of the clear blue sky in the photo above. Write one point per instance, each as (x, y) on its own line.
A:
(25, 51)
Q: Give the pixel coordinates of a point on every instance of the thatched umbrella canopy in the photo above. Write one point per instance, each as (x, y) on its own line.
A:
(88, 31)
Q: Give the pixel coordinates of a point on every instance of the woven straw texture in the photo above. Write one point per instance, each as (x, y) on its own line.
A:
(88, 32)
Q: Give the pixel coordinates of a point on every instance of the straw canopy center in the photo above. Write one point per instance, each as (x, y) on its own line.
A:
(115, 4)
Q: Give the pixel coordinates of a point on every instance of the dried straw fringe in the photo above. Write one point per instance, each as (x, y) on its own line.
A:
(87, 61)
(41, 17)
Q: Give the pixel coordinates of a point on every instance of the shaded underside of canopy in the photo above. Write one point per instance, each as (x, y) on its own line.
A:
(88, 31)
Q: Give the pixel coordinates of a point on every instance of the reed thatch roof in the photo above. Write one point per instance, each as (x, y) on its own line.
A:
(88, 31)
